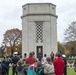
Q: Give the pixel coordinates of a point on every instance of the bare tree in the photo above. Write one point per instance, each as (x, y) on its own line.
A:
(70, 32)
(12, 38)
(70, 37)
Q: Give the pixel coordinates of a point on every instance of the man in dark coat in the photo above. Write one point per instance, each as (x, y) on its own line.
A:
(8, 61)
(14, 59)
(3, 64)
(65, 61)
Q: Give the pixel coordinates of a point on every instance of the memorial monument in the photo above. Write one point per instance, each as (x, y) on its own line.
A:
(39, 28)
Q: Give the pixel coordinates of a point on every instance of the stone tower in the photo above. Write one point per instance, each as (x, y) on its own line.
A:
(39, 28)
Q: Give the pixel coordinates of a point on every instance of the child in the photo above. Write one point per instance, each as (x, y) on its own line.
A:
(20, 68)
(39, 70)
(31, 69)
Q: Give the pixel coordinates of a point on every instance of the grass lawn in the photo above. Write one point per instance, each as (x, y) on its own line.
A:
(10, 71)
(70, 71)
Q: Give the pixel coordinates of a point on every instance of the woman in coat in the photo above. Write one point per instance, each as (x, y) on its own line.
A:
(49, 67)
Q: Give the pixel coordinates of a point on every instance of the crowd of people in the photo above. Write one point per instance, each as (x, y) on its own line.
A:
(55, 64)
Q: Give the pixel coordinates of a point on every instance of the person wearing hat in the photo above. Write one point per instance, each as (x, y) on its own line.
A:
(65, 61)
(14, 60)
(31, 59)
(49, 67)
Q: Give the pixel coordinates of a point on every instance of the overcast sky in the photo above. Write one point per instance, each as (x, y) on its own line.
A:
(11, 12)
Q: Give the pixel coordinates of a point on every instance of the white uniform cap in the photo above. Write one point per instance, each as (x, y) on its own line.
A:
(63, 55)
(15, 53)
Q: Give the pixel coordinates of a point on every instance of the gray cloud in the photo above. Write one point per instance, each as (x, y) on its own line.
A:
(11, 11)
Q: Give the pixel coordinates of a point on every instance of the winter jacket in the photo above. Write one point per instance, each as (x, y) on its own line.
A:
(48, 68)
(21, 70)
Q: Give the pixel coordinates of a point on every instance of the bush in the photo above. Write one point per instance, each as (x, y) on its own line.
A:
(26, 65)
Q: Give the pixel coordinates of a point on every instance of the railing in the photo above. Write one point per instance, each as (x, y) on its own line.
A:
(70, 65)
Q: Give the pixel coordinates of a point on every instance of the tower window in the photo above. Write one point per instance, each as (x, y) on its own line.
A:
(39, 32)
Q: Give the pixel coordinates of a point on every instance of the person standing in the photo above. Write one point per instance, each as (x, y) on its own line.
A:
(25, 56)
(65, 61)
(75, 65)
(59, 64)
(49, 67)
(4, 67)
(8, 61)
(52, 56)
(30, 60)
(38, 69)
(43, 60)
(14, 60)
(31, 69)
(20, 69)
